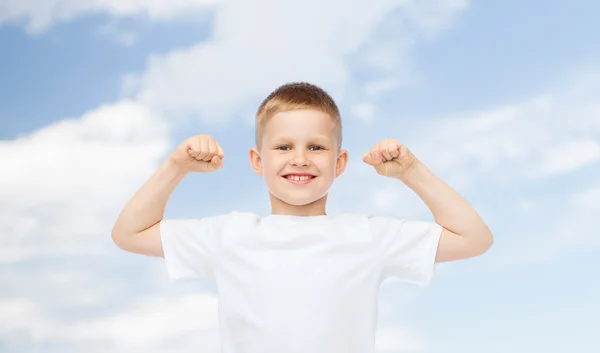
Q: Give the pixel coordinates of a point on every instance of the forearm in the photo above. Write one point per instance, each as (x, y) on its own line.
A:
(147, 206)
(449, 209)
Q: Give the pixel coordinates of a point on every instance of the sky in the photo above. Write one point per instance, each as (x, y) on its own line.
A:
(500, 99)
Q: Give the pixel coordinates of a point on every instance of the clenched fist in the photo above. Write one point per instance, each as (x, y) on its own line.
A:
(200, 154)
(390, 158)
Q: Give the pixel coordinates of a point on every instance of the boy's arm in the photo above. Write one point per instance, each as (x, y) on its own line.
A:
(137, 228)
(464, 233)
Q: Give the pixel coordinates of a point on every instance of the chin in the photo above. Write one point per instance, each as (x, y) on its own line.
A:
(294, 201)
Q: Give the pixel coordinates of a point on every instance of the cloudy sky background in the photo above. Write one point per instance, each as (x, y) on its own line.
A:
(500, 99)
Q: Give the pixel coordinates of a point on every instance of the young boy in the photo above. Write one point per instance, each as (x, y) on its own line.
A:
(299, 280)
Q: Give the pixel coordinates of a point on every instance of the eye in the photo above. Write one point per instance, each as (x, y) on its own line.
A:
(316, 148)
(283, 148)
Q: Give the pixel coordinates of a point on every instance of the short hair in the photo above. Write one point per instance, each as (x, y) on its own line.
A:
(297, 96)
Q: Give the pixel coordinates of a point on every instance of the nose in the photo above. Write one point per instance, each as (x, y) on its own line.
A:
(299, 159)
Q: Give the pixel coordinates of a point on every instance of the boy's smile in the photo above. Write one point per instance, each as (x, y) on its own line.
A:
(299, 159)
(299, 178)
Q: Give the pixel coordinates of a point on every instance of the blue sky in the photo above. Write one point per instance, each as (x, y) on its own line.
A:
(499, 99)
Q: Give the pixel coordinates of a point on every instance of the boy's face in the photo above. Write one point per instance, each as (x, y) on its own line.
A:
(299, 157)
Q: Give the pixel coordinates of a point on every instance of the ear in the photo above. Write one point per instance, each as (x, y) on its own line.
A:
(255, 161)
(340, 164)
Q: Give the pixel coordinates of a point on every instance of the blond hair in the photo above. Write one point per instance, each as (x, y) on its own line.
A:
(297, 96)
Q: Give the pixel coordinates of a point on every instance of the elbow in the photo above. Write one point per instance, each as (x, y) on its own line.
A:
(479, 243)
(117, 237)
(486, 242)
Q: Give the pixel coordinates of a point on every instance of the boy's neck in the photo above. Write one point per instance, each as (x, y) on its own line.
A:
(316, 208)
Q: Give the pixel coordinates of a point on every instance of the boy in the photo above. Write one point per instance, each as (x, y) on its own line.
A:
(299, 280)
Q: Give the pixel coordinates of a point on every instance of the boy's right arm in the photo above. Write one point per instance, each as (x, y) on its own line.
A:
(137, 228)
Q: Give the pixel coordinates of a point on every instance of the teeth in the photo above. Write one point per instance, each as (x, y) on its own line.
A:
(298, 177)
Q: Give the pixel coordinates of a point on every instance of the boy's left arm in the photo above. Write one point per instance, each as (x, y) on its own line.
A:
(464, 233)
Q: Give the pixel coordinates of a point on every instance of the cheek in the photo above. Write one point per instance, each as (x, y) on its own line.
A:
(273, 163)
(326, 164)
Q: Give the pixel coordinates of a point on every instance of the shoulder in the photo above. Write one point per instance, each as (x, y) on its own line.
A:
(378, 228)
(383, 226)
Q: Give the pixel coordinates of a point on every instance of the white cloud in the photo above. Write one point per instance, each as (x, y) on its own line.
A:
(565, 225)
(566, 157)
(579, 223)
(376, 87)
(552, 134)
(38, 16)
(247, 57)
(68, 181)
(364, 111)
(76, 286)
(19, 315)
(154, 321)
(151, 325)
(391, 197)
(433, 19)
(251, 53)
(119, 35)
(588, 198)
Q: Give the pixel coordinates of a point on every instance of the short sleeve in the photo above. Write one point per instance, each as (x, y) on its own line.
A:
(189, 246)
(408, 248)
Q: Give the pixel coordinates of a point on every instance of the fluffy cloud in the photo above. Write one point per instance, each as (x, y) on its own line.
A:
(68, 179)
(166, 324)
(154, 321)
(251, 53)
(38, 16)
(567, 224)
(552, 134)
(364, 111)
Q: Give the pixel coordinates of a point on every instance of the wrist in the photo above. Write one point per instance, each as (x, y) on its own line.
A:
(413, 175)
(173, 170)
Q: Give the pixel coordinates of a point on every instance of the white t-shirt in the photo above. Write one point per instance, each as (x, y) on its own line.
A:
(290, 284)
